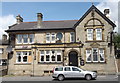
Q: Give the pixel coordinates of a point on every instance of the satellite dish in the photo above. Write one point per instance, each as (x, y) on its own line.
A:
(59, 36)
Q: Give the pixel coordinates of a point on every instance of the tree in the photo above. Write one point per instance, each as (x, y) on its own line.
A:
(116, 41)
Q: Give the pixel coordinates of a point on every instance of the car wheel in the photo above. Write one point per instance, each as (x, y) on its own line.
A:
(88, 77)
(60, 77)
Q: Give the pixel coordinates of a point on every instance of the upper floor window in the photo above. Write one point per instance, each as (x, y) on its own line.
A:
(19, 38)
(95, 55)
(99, 34)
(48, 38)
(72, 37)
(25, 38)
(53, 37)
(31, 37)
(89, 34)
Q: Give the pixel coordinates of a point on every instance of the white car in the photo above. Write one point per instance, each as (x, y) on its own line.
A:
(63, 72)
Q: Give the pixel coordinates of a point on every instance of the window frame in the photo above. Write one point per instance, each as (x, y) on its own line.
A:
(89, 55)
(98, 33)
(72, 36)
(33, 36)
(17, 37)
(42, 55)
(102, 54)
(48, 35)
(90, 33)
(51, 37)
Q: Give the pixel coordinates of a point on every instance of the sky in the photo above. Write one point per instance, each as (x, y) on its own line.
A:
(51, 11)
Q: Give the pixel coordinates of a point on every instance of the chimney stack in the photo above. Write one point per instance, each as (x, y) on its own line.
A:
(19, 19)
(39, 20)
(4, 37)
(107, 12)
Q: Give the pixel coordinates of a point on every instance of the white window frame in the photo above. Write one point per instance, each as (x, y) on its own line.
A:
(27, 39)
(42, 54)
(58, 52)
(72, 36)
(88, 54)
(1, 62)
(18, 38)
(18, 56)
(25, 55)
(89, 34)
(48, 55)
(53, 35)
(47, 35)
(103, 54)
(33, 36)
(98, 34)
(1, 50)
(93, 56)
(53, 55)
(22, 56)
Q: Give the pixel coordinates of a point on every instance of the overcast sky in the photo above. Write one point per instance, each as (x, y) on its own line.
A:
(52, 11)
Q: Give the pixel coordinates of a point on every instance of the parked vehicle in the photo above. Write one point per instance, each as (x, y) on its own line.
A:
(63, 72)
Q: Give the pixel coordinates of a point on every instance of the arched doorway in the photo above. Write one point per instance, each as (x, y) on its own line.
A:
(73, 58)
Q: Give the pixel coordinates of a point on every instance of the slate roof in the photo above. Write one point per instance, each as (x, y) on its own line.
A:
(56, 25)
(65, 24)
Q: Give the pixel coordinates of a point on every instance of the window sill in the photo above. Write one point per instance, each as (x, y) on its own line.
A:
(50, 62)
(95, 62)
(22, 64)
(94, 41)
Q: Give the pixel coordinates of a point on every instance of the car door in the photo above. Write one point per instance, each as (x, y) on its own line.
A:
(67, 72)
(77, 73)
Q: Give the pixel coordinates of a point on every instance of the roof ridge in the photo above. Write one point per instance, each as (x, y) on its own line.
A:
(51, 21)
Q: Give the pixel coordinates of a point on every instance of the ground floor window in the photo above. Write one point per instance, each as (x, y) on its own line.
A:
(22, 56)
(50, 56)
(3, 62)
(95, 55)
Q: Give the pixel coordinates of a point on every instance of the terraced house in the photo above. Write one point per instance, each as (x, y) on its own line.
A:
(40, 46)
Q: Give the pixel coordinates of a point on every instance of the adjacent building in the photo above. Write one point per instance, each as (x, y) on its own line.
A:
(3, 55)
(37, 47)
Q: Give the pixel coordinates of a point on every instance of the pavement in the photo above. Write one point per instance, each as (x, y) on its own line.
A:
(49, 78)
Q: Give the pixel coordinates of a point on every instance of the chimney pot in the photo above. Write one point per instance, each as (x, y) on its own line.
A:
(106, 12)
(19, 19)
(4, 37)
(39, 20)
